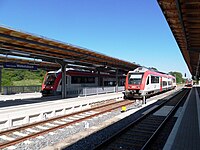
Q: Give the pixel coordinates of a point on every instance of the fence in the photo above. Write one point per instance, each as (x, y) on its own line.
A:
(20, 89)
(85, 91)
(71, 92)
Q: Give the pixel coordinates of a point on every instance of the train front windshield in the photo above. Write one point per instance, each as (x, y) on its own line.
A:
(50, 79)
(135, 79)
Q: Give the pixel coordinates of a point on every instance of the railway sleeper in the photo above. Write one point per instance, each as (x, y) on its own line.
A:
(152, 119)
(138, 134)
(123, 142)
(146, 129)
(136, 131)
(150, 122)
(147, 126)
(135, 138)
(172, 103)
(125, 145)
(114, 147)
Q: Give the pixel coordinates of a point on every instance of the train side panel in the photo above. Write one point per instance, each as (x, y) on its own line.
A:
(77, 80)
(143, 82)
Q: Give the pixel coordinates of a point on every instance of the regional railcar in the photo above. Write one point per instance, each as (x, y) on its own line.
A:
(143, 82)
(188, 82)
(77, 79)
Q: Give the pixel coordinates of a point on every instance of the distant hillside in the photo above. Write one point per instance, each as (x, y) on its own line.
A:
(19, 77)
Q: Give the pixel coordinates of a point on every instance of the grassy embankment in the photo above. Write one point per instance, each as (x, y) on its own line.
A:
(19, 77)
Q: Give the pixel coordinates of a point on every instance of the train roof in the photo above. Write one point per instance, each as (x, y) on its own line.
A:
(81, 71)
(57, 71)
(144, 69)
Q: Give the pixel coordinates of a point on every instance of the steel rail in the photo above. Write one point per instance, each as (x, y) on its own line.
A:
(171, 113)
(124, 129)
(53, 119)
(21, 139)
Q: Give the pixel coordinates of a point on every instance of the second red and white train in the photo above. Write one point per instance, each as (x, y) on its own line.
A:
(143, 82)
(77, 79)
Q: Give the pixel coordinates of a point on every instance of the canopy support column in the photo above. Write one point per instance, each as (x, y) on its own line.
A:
(117, 81)
(0, 79)
(63, 70)
(99, 80)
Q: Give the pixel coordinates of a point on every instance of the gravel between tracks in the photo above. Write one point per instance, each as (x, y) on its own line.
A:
(61, 134)
(63, 137)
(94, 139)
(96, 136)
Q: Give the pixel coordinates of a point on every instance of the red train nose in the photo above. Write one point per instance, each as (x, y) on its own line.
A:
(48, 87)
(134, 86)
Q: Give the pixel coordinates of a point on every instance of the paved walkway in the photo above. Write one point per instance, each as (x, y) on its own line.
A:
(186, 132)
(33, 98)
(20, 96)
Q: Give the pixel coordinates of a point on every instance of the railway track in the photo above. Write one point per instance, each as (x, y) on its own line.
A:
(20, 134)
(142, 133)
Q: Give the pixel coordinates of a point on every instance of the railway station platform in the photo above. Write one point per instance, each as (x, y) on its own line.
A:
(31, 98)
(21, 111)
(186, 132)
(20, 96)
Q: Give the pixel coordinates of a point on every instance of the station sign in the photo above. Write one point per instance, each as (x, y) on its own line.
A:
(19, 66)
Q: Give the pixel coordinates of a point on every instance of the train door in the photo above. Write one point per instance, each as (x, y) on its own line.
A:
(60, 83)
(148, 84)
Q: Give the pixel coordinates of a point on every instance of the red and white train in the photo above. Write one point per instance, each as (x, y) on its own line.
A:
(145, 82)
(77, 79)
(188, 82)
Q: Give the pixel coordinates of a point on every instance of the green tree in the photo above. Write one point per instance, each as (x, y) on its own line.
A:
(153, 68)
(12, 75)
(178, 75)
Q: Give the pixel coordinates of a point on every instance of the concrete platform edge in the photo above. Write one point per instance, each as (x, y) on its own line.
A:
(171, 138)
(198, 107)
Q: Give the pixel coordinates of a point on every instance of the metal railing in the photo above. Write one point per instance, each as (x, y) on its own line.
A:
(6, 90)
(85, 91)
(75, 91)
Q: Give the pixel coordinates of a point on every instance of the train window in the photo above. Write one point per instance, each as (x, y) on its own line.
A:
(148, 81)
(169, 82)
(135, 79)
(154, 79)
(91, 80)
(75, 80)
(164, 83)
(81, 80)
(50, 79)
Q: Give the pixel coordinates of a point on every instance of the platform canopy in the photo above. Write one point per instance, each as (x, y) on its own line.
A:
(39, 64)
(183, 17)
(23, 44)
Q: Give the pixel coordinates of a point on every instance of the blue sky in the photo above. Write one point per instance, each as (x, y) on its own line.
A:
(132, 30)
